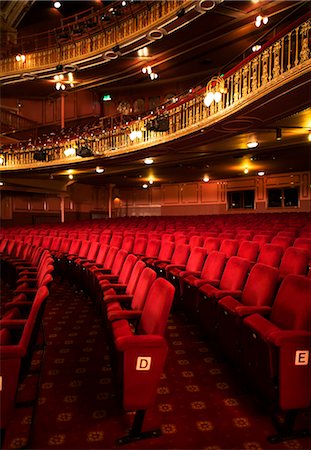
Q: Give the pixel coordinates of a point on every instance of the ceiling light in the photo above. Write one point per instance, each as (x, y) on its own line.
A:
(123, 3)
(252, 144)
(70, 171)
(145, 186)
(150, 181)
(278, 134)
(261, 173)
(99, 169)
(148, 161)
(246, 170)
(57, 5)
(153, 76)
(1, 183)
(70, 177)
(205, 179)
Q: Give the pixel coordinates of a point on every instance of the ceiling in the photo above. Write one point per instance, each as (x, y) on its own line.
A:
(214, 43)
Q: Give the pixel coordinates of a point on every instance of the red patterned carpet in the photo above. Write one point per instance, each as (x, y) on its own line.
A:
(200, 403)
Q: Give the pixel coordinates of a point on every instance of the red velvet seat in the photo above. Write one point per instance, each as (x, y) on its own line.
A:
(259, 290)
(139, 358)
(17, 339)
(231, 283)
(165, 254)
(282, 241)
(270, 254)
(248, 250)
(179, 257)
(211, 244)
(229, 247)
(211, 273)
(276, 350)
(294, 261)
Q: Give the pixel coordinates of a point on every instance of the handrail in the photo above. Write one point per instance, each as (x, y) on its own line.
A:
(285, 59)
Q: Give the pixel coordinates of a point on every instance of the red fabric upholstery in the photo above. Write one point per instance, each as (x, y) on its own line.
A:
(270, 254)
(295, 260)
(276, 349)
(229, 247)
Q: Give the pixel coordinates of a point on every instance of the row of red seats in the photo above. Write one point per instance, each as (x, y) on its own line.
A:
(135, 306)
(21, 319)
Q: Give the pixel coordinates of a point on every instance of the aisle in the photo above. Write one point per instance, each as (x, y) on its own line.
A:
(200, 404)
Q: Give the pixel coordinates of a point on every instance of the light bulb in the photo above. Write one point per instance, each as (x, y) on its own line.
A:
(261, 173)
(99, 169)
(217, 97)
(252, 144)
(208, 99)
(145, 186)
(149, 70)
(246, 170)
(57, 86)
(70, 177)
(18, 57)
(148, 161)
(150, 181)
(57, 5)
(265, 20)
(63, 87)
(205, 179)
(1, 160)
(133, 135)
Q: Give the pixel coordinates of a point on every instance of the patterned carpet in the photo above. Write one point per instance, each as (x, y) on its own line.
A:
(200, 403)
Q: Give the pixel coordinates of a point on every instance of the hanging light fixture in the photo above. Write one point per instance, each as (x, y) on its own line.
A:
(214, 90)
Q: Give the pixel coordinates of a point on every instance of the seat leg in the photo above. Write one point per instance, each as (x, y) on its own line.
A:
(135, 433)
(285, 430)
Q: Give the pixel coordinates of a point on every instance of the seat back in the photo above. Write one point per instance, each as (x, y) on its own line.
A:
(166, 251)
(93, 250)
(110, 257)
(116, 240)
(211, 244)
(304, 243)
(84, 248)
(196, 259)
(270, 255)
(248, 250)
(118, 262)
(157, 308)
(74, 247)
(127, 268)
(292, 307)
(262, 239)
(282, 241)
(229, 247)
(295, 261)
(56, 243)
(195, 241)
(132, 282)
(260, 286)
(213, 266)
(153, 248)
(235, 273)
(144, 283)
(180, 254)
(140, 245)
(102, 253)
(127, 243)
(46, 242)
(37, 241)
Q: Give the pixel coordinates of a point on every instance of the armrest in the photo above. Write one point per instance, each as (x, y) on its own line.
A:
(200, 282)
(220, 294)
(175, 266)
(139, 342)
(101, 270)
(160, 261)
(297, 337)
(229, 304)
(26, 280)
(12, 324)
(260, 324)
(118, 298)
(110, 277)
(186, 273)
(12, 305)
(124, 314)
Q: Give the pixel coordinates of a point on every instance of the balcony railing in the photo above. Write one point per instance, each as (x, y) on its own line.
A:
(280, 61)
(72, 43)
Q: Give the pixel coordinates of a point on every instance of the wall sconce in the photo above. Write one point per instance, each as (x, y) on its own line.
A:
(145, 186)
(309, 136)
(99, 169)
(136, 135)
(20, 57)
(70, 152)
(214, 90)
(1, 160)
(205, 179)
(148, 161)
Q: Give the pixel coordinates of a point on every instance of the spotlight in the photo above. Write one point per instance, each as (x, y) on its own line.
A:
(252, 144)
(70, 152)
(278, 134)
(57, 5)
(148, 161)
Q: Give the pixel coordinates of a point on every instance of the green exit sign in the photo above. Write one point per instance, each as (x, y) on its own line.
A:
(106, 98)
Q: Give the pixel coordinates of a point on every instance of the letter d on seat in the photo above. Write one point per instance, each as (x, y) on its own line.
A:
(143, 363)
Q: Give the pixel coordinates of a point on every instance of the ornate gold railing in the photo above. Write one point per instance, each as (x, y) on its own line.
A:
(279, 62)
(96, 42)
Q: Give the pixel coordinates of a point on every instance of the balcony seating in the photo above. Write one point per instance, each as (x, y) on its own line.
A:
(139, 358)
(259, 290)
(211, 273)
(231, 283)
(276, 351)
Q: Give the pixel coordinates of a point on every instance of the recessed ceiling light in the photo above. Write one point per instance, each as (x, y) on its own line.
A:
(99, 169)
(148, 161)
(261, 173)
(252, 144)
